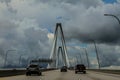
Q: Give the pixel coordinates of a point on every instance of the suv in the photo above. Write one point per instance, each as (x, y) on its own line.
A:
(63, 69)
(33, 69)
(80, 68)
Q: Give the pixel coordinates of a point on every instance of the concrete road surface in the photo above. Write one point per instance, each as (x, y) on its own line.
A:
(70, 75)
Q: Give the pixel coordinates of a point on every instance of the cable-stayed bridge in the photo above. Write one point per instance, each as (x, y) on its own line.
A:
(58, 51)
(55, 52)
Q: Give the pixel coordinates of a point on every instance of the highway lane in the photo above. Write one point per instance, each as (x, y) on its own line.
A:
(70, 75)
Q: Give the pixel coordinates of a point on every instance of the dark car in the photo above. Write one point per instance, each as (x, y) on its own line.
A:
(80, 68)
(63, 69)
(71, 68)
(33, 69)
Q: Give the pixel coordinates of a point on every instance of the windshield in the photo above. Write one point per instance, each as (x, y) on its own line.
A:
(33, 66)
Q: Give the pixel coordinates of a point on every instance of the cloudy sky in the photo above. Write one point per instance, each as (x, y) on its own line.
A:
(27, 26)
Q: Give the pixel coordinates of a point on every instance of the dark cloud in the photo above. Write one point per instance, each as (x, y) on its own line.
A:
(85, 3)
(6, 1)
(93, 25)
(33, 42)
(25, 25)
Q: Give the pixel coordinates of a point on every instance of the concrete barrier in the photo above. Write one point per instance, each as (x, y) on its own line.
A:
(14, 72)
(106, 71)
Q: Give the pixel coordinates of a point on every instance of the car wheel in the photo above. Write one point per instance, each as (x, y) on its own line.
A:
(29, 74)
(84, 72)
(26, 74)
(75, 72)
(39, 74)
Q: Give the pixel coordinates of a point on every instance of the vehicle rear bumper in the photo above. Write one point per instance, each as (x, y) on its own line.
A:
(79, 70)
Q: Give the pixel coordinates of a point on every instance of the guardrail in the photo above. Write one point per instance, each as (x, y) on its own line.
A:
(111, 71)
(106, 71)
(14, 72)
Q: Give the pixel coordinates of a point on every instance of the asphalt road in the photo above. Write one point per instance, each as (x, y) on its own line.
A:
(70, 75)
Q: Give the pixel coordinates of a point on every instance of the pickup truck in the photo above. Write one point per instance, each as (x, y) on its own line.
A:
(80, 68)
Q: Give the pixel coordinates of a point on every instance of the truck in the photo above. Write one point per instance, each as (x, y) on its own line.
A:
(80, 68)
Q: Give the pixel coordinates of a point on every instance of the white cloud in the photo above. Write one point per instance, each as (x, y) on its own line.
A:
(50, 37)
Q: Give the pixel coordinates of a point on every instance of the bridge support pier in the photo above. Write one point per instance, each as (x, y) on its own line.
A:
(54, 54)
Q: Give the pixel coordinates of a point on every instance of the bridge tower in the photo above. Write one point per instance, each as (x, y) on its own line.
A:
(55, 49)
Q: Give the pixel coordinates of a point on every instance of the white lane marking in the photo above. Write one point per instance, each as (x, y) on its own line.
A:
(40, 79)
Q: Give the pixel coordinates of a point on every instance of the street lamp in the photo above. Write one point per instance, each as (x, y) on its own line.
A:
(81, 58)
(76, 60)
(79, 55)
(20, 59)
(6, 56)
(113, 16)
(29, 60)
(87, 57)
(97, 54)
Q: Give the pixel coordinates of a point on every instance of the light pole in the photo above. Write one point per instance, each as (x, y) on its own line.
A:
(76, 60)
(97, 54)
(20, 59)
(81, 58)
(29, 60)
(113, 16)
(87, 57)
(6, 56)
(79, 55)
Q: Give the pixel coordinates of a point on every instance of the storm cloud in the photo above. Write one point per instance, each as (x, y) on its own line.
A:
(28, 27)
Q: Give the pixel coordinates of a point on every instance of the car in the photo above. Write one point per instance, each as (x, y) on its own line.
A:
(71, 68)
(33, 69)
(63, 69)
(80, 68)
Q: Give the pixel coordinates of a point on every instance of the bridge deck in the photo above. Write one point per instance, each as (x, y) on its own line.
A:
(70, 75)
